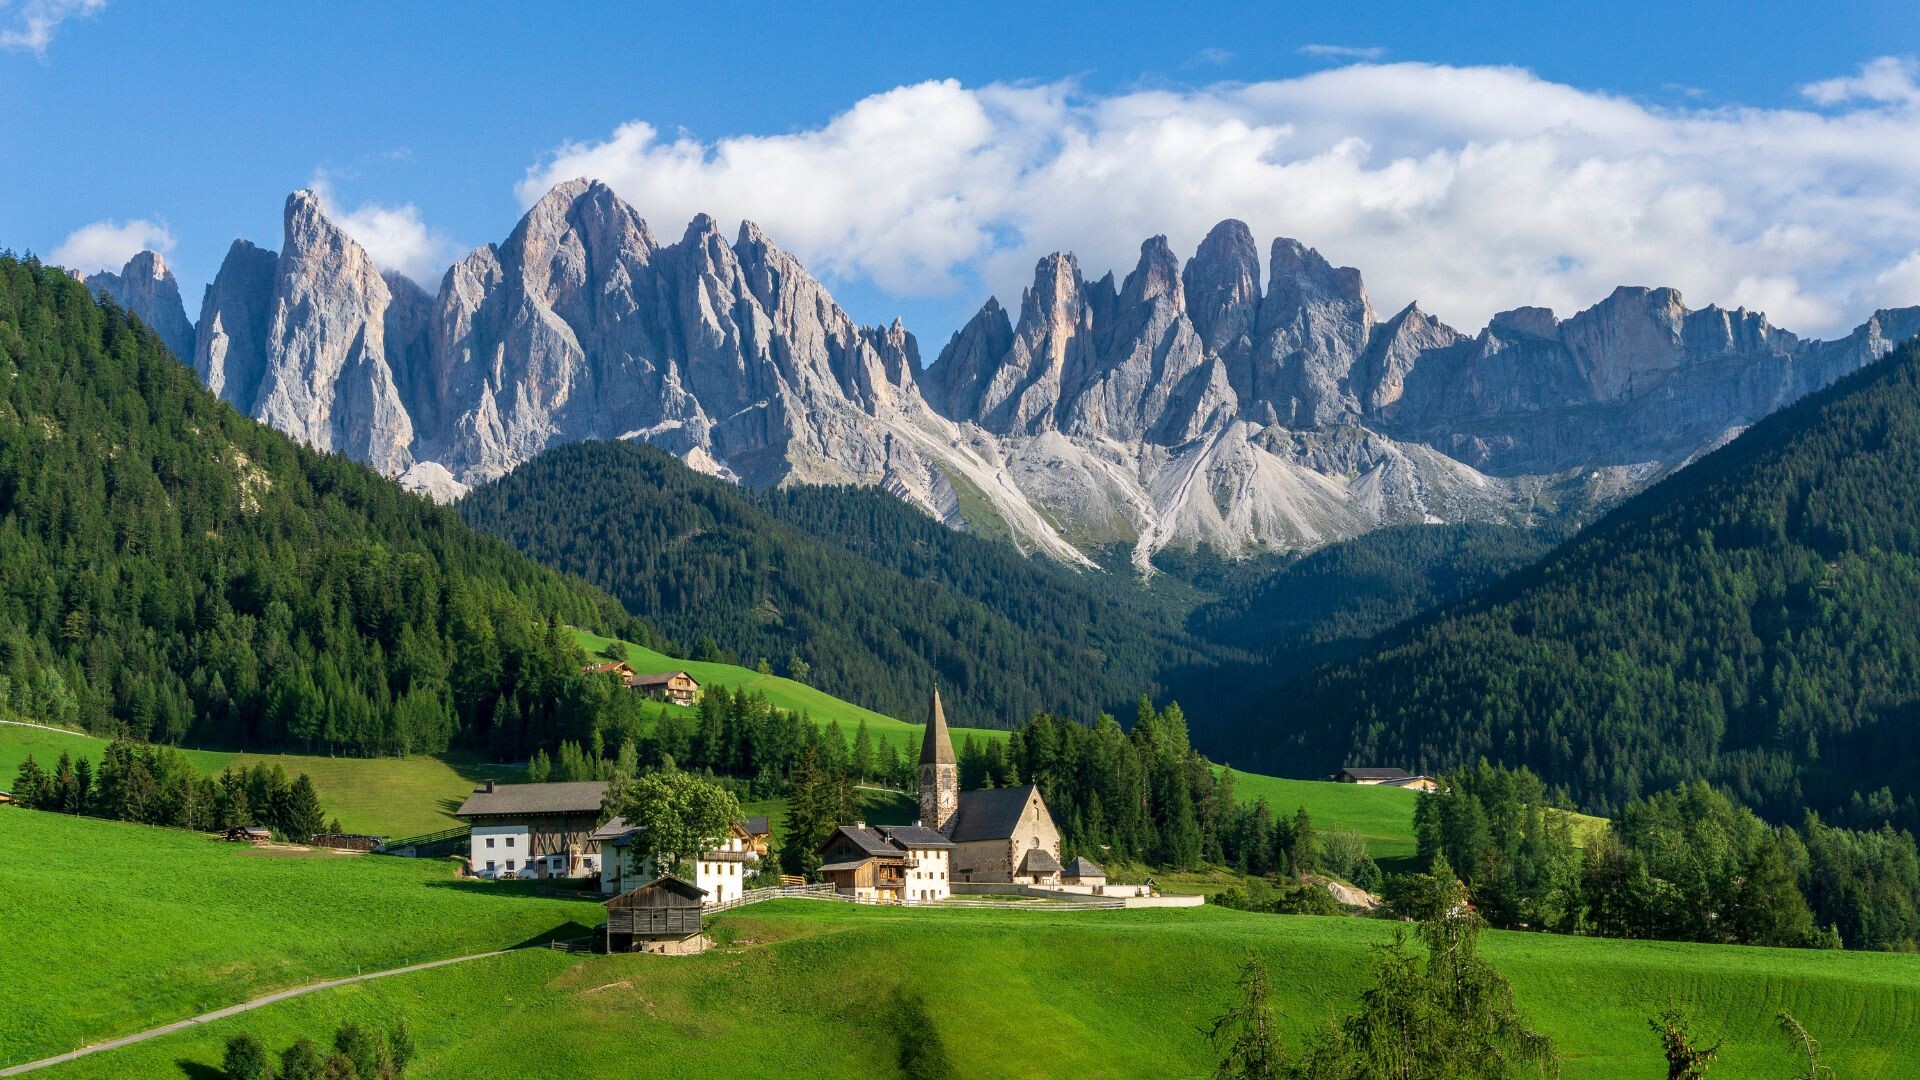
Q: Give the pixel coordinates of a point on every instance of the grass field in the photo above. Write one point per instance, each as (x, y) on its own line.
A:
(111, 928)
(784, 693)
(826, 990)
(384, 796)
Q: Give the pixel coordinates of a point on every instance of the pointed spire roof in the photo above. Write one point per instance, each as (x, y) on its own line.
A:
(937, 747)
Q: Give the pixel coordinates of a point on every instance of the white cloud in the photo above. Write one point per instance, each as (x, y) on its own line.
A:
(1884, 79)
(107, 245)
(1343, 52)
(1215, 57)
(30, 24)
(1469, 189)
(397, 238)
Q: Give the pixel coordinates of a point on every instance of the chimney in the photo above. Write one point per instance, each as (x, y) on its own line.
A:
(489, 786)
(859, 824)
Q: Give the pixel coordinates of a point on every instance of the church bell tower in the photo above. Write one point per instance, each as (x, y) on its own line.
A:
(939, 772)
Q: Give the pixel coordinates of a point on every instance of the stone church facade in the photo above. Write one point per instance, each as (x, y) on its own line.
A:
(1004, 835)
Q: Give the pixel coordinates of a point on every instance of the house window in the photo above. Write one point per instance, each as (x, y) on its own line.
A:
(509, 864)
(489, 841)
(489, 864)
(510, 841)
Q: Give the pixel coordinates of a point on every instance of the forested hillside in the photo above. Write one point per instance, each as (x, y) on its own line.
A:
(175, 571)
(875, 600)
(1754, 621)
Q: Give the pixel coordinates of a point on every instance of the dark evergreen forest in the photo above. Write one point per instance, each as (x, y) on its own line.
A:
(173, 571)
(1752, 621)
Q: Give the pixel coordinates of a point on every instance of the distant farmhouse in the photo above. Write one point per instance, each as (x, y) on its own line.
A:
(1002, 836)
(676, 687)
(1399, 778)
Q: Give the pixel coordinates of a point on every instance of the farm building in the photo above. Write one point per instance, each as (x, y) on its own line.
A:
(1004, 835)
(721, 872)
(902, 862)
(660, 916)
(252, 834)
(534, 830)
(1371, 776)
(612, 667)
(676, 687)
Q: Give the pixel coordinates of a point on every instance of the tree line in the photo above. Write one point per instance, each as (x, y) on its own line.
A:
(157, 785)
(1682, 865)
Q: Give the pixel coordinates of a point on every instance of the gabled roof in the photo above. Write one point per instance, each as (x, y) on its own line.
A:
(574, 797)
(1082, 867)
(660, 678)
(936, 748)
(915, 836)
(757, 826)
(1039, 861)
(851, 862)
(867, 840)
(667, 882)
(616, 828)
(1376, 774)
(991, 815)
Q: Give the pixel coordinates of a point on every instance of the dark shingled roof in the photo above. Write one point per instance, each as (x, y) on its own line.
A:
(1039, 861)
(851, 862)
(1376, 774)
(1081, 867)
(867, 840)
(916, 836)
(937, 747)
(990, 815)
(757, 826)
(666, 882)
(659, 678)
(616, 828)
(577, 797)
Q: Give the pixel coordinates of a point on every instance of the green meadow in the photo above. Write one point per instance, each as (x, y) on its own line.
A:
(384, 796)
(812, 989)
(111, 928)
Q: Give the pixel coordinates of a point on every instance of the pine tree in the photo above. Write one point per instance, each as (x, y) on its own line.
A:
(1248, 1031)
(29, 785)
(1686, 1060)
(862, 762)
(304, 817)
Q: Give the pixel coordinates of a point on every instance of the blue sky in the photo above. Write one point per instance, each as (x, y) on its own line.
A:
(1609, 132)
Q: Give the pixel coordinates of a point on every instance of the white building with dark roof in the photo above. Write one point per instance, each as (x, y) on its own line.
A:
(534, 830)
(721, 872)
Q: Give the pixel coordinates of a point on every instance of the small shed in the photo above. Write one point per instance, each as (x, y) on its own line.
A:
(252, 834)
(1082, 871)
(664, 910)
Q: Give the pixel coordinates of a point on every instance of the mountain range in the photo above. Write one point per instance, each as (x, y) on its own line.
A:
(1186, 405)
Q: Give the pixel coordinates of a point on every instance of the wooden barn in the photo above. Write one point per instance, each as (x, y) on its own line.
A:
(660, 916)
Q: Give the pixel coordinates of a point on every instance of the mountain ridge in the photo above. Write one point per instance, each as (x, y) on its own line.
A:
(1183, 405)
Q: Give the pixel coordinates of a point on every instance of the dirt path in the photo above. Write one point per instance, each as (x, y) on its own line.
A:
(235, 1010)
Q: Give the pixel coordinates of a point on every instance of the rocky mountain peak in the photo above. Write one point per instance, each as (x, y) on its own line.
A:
(146, 287)
(1222, 284)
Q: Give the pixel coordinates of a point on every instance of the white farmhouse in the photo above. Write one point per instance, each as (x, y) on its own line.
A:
(721, 871)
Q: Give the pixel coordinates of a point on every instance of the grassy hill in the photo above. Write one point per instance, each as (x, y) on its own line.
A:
(783, 693)
(114, 927)
(816, 989)
(384, 796)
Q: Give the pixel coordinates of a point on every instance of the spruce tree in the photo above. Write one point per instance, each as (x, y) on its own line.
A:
(29, 785)
(304, 817)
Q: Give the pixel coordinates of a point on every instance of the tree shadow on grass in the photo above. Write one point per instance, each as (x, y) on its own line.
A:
(200, 1071)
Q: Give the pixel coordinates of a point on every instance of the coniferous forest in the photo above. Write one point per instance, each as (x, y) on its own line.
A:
(173, 571)
(1752, 621)
(877, 599)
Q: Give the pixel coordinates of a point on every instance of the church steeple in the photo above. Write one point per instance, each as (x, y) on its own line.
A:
(939, 771)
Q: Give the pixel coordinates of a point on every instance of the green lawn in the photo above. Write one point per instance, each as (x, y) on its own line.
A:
(828, 990)
(784, 693)
(111, 928)
(384, 796)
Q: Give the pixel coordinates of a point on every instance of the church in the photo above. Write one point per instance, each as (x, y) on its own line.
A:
(1004, 835)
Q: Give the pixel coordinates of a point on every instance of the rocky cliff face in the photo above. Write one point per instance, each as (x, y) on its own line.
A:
(1185, 404)
(146, 288)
